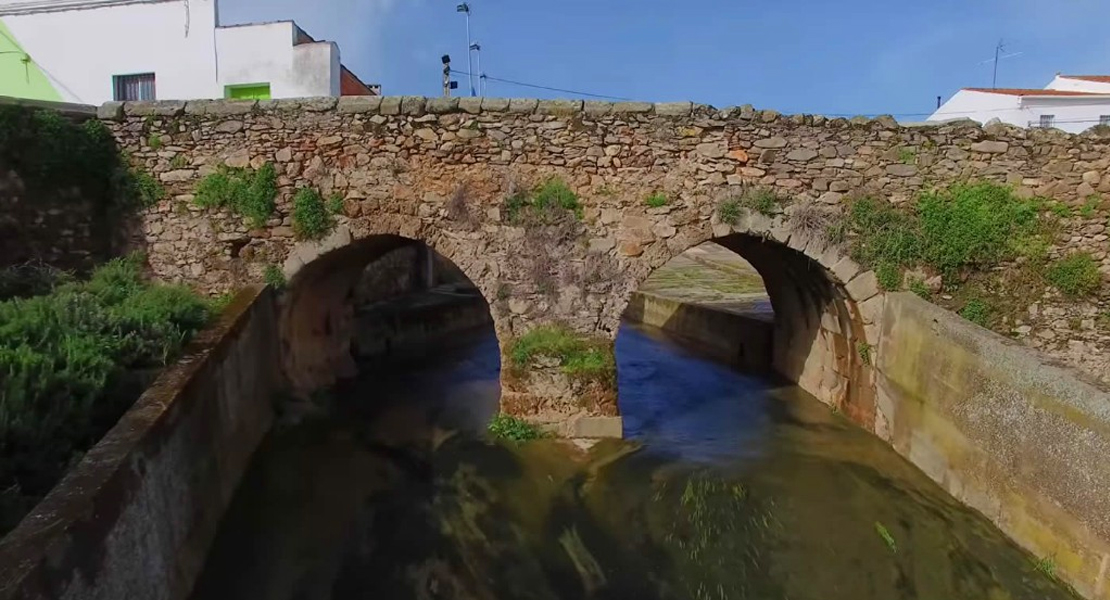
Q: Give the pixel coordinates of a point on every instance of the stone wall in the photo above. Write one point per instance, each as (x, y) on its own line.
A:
(135, 518)
(440, 170)
(1017, 437)
(60, 226)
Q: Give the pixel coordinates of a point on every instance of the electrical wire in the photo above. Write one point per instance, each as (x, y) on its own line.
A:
(543, 87)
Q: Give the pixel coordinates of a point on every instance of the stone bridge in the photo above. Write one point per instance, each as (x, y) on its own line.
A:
(441, 170)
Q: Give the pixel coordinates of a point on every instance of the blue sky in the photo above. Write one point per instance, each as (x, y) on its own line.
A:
(812, 56)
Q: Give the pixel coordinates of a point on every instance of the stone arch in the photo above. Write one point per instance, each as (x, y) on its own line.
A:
(316, 315)
(827, 308)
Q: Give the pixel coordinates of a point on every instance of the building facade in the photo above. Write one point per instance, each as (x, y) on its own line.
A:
(93, 51)
(1073, 103)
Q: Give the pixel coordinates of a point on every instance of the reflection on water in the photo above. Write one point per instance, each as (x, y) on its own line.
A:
(730, 487)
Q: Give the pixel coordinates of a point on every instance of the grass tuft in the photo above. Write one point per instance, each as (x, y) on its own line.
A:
(1076, 276)
(245, 192)
(506, 427)
(578, 355)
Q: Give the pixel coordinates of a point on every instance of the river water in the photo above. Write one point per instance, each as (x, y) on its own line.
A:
(728, 487)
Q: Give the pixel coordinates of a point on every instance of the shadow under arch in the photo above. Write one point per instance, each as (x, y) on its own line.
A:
(317, 320)
(819, 338)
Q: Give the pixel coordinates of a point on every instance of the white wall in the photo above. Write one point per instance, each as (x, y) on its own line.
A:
(265, 54)
(1078, 85)
(1074, 114)
(80, 50)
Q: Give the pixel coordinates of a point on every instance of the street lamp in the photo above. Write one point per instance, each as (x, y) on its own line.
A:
(476, 47)
(465, 8)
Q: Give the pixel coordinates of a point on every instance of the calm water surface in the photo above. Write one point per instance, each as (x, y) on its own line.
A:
(729, 487)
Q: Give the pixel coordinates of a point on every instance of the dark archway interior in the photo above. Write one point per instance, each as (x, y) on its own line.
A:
(813, 338)
(373, 304)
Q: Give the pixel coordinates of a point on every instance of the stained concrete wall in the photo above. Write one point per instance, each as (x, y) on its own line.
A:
(1004, 430)
(738, 340)
(135, 518)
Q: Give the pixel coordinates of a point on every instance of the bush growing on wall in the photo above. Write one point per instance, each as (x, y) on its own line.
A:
(312, 218)
(245, 192)
(67, 365)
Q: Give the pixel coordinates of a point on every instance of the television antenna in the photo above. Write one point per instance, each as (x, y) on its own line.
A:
(998, 55)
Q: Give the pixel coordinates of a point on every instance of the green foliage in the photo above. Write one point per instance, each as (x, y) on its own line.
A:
(886, 238)
(887, 538)
(917, 286)
(154, 141)
(907, 156)
(66, 359)
(52, 153)
(143, 189)
(543, 204)
(179, 162)
(245, 192)
(505, 427)
(889, 276)
(977, 311)
(1075, 276)
(311, 218)
(30, 279)
(578, 355)
(218, 304)
(863, 349)
(1103, 320)
(1060, 209)
(1089, 207)
(728, 211)
(656, 200)
(760, 200)
(973, 225)
(335, 204)
(274, 277)
(1045, 566)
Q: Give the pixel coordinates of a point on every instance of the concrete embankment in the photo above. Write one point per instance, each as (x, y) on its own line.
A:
(411, 323)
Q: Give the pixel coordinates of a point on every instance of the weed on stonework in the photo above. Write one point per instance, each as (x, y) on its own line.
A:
(154, 141)
(760, 200)
(577, 355)
(312, 218)
(656, 200)
(1076, 276)
(273, 276)
(545, 203)
(728, 211)
(505, 427)
(977, 311)
(245, 192)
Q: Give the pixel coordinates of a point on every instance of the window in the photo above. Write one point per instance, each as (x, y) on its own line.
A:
(254, 91)
(1104, 120)
(134, 87)
(1048, 120)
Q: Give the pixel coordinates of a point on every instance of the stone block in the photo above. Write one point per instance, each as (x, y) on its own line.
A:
(490, 104)
(596, 428)
(901, 170)
(390, 105)
(990, 147)
(712, 149)
(139, 109)
(231, 107)
(802, 155)
(322, 104)
(597, 108)
(845, 269)
(525, 106)
(110, 111)
(412, 105)
(772, 142)
(558, 107)
(674, 109)
(439, 106)
(625, 108)
(353, 105)
(863, 286)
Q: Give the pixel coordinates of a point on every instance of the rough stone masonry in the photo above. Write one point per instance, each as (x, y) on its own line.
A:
(439, 170)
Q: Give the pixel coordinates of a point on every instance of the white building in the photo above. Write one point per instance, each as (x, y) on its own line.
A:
(1073, 103)
(93, 51)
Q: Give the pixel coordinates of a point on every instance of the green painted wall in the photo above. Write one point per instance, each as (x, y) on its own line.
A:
(260, 91)
(19, 76)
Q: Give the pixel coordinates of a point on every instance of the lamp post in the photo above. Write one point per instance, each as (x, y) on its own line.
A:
(465, 8)
(476, 47)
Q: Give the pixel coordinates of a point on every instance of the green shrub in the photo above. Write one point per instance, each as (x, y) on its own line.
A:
(977, 311)
(1075, 276)
(578, 355)
(543, 204)
(728, 211)
(917, 286)
(274, 277)
(863, 349)
(889, 276)
(335, 204)
(311, 218)
(656, 200)
(972, 225)
(67, 359)
(30, 279)
(1089, 207)
(760, 200)
(145, 191)
(179, 162)
(505, 427)
(245, 192)
(154, 141)
(886, 238)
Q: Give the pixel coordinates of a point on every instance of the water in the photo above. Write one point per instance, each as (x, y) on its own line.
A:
(730, 487)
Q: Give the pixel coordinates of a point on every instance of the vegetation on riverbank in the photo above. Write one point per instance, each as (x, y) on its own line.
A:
(578, 356)
(506, 427)
(72, 361)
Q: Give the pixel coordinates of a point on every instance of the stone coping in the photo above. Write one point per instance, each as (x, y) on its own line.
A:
(419, 106)
(89, 498)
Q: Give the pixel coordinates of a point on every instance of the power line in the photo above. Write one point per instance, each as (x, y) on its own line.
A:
(544, 87)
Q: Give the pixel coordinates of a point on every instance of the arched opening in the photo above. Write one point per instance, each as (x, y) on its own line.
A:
(370, 311)
(766, 314)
